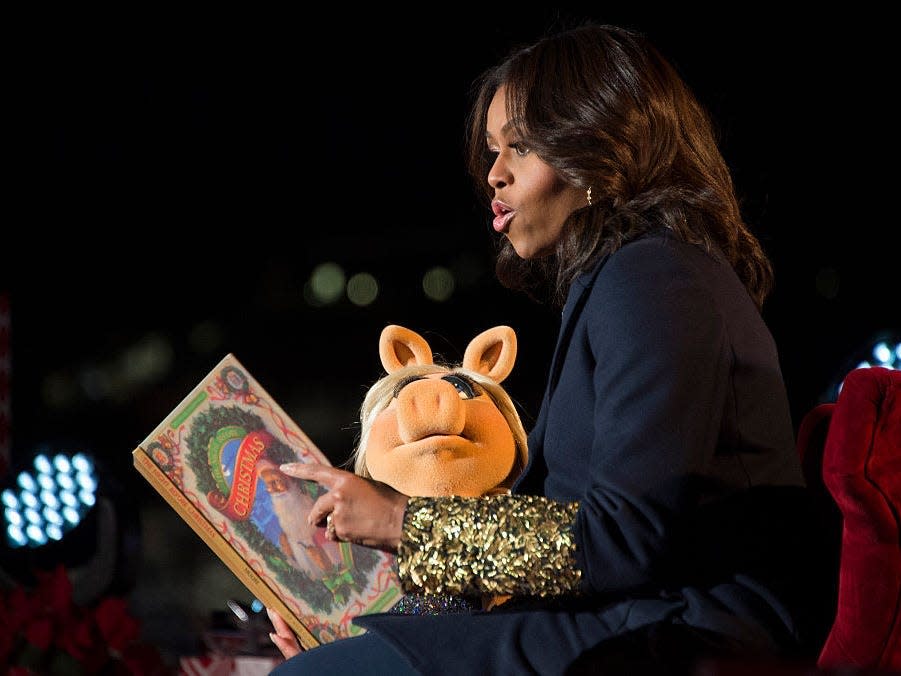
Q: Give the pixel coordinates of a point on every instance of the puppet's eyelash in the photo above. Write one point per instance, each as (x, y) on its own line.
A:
(464, 386)
(403, 383)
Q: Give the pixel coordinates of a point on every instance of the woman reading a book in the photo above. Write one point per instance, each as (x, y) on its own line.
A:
(661, 518)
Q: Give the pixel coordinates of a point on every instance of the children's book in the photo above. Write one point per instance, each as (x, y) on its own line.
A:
(215, 459)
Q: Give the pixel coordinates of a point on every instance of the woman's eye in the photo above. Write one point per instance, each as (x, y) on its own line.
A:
(464, 388)
(520, 148)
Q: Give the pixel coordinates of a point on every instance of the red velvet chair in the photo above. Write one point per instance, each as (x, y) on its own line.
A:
(857, 444)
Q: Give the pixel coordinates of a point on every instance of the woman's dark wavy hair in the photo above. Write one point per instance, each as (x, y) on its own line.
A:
(603, 107)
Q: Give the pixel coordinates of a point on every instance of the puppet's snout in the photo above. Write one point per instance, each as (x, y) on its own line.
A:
(428, 407)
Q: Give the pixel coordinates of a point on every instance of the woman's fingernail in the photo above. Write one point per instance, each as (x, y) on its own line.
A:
(288, 466)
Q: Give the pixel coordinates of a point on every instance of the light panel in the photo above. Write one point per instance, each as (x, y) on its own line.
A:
(883, 350)
(49, 500)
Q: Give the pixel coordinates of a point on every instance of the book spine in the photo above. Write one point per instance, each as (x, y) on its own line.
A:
(218, 544)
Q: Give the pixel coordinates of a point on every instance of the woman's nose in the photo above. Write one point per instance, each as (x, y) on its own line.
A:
(499, 175)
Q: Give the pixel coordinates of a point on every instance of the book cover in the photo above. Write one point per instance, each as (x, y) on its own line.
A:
(215, 460)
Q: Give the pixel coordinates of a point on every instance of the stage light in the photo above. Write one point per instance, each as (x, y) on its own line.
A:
(886, 356)
(882, 350)
(325, 285)
(68, 508)
(438, 284)
(362, 289)
(53, 498)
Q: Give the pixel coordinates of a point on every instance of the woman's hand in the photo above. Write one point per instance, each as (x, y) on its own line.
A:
(360, 510)
(283, 638)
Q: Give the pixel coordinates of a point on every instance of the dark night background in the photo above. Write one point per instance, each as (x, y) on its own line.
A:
(173, 184)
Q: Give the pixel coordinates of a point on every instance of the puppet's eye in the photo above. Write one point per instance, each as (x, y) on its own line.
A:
(465, 387)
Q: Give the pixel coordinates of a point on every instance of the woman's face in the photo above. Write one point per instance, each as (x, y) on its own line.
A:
(531, 201)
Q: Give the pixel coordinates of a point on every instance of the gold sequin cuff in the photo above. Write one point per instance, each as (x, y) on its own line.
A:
(500, 544)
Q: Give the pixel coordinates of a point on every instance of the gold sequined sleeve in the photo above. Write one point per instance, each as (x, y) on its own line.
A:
(500, 544)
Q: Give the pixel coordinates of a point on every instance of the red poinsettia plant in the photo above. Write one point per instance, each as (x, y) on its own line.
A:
(43, 631)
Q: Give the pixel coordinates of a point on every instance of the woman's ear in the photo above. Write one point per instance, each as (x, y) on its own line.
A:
(400, 347)
(492, 353)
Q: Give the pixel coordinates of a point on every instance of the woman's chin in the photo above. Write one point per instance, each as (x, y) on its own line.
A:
(528, 250)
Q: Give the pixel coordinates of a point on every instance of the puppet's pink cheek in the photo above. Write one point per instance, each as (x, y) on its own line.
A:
(383, 435)
(486, 424)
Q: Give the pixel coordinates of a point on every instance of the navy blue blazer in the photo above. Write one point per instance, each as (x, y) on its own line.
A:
(666, 416)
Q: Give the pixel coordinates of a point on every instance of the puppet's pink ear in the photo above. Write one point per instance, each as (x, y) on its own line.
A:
(492, 353)
(400, 347)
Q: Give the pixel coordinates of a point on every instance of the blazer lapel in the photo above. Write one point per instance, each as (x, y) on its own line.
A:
(575, 301)
(532, 477)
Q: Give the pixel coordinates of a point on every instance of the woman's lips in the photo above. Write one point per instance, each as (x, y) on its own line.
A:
(502, 215)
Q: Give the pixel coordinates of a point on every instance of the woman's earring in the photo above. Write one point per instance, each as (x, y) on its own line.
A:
(588, 195)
